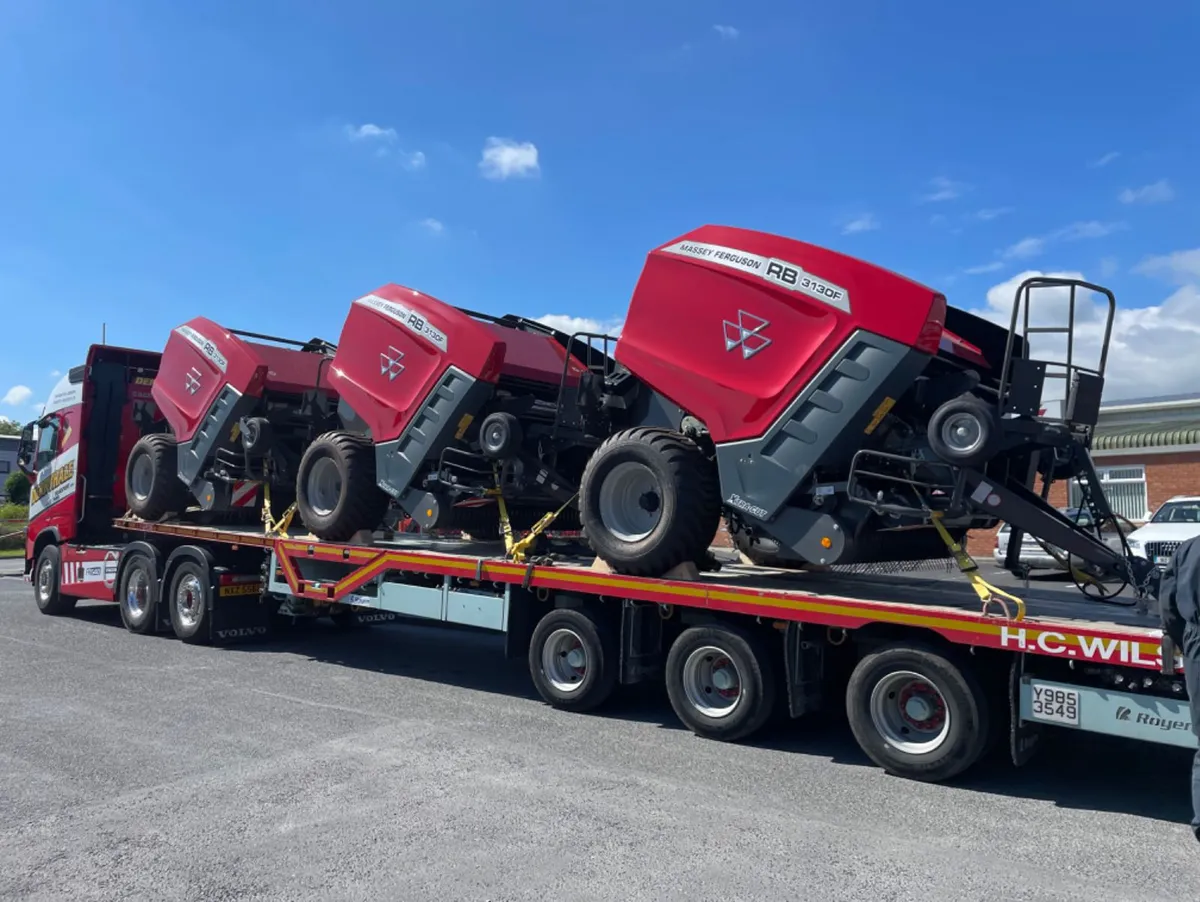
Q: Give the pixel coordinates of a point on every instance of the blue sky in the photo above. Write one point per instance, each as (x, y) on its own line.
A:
(264, 163)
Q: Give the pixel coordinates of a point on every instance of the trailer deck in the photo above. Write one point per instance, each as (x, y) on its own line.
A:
(1056, 624)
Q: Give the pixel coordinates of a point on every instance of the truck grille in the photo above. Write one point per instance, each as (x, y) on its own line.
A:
(1160, 552)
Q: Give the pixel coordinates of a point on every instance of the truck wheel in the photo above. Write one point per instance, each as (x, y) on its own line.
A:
(649, 501)
(137, 594)
(47, 572)
(964, 431)
(189, 603)
(573, 660)
(336, 494)
(152, 484)
(721, 682)
(916, 714)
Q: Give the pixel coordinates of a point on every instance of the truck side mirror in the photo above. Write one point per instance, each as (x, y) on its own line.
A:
(26, 450)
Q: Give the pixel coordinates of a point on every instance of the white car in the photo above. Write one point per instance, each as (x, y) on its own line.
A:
(1034, 556)
(1172, 524)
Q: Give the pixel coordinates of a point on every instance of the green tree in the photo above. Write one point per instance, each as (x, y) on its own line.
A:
(9, 427)
(16, 487)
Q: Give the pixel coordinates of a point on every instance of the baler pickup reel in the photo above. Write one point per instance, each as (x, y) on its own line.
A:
(998, 451)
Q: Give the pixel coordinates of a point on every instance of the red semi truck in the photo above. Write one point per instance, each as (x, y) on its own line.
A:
(929, 678)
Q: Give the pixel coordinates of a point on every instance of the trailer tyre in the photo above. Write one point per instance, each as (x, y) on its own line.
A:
(573, 660)
(721, 682)
(46, 586)
(137, 594)
(152, 484)
(189, 602)
(336, 492)
(916, 714)
(649, 501)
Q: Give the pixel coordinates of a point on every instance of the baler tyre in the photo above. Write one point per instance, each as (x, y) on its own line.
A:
(573, 660)
(964, 431)
(647, 501)
(137, 593)
(916, 714)
(47, 589)
(152, 484)
(500, 435)
(721, 682)
(189, 603)
(336, 492)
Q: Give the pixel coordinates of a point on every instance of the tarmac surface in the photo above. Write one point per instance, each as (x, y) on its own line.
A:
(404, 762)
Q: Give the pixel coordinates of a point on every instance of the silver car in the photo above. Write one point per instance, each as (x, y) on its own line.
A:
(1034, 556)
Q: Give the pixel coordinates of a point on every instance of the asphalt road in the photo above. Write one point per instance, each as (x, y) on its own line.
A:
(415, 763)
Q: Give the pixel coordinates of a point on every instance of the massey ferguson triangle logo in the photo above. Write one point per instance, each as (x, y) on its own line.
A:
(746, 333)
(389, 363)
(192, 381)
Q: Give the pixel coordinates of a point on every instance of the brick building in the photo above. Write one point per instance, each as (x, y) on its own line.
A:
(1145, 451)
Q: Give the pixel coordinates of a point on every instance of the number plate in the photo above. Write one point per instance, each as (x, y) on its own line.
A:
(1052, 704)
(1162, 559)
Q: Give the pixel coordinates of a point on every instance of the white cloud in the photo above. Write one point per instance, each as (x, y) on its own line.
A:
(433, 226)
(1105, 160)
(1178, 268)
(1157, 193)
(504, 158)
(384, 140)
(867, 222)
(1108, 266)
(727, 32)
(943, 189)
(1026, 247)
(570, 324)
(54, 374)
(370, 132)
(18, 394)
(1152, 350)
(1036, 244)
(987, 215)
(986, 267)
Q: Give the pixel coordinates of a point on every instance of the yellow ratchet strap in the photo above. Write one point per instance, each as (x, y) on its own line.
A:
(516, 549)
(272, 526)
(988, 594)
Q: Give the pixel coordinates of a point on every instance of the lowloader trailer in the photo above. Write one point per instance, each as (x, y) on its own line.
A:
(929, 681)
(932, 672)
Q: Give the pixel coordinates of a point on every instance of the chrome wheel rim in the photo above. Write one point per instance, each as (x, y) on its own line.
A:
(962, 433)
(712, 682)
(630, 503)
(189, 600)
(910, 712)
(324, 486)
(137, 593)
(45, 580)
(564, 660)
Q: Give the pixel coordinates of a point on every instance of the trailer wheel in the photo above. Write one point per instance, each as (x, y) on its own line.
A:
(964, 431)
(189, 602)
(649, 501)
(46, 586)
(137, 595)
(721, 681)
(152, 484)
(336, 493)
(916, 714)
(573, 660)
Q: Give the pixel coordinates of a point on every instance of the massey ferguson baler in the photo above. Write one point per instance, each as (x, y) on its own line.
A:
(238, 413)
(835, 412)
